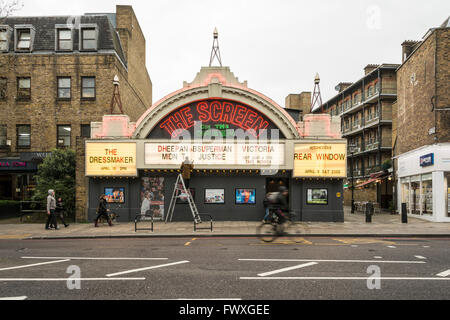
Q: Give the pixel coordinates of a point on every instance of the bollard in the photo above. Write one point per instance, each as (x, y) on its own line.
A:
(404, 213)
(369, 212)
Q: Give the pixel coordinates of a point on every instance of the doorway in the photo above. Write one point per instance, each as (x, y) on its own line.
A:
(273, 184)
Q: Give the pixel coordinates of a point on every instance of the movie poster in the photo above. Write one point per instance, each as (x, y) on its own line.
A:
(155, 187)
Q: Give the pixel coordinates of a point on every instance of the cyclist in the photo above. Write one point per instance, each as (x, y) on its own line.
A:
(282, 204)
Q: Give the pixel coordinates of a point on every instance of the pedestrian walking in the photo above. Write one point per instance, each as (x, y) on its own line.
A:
(60, 211)
(102, 211)
(51, 206)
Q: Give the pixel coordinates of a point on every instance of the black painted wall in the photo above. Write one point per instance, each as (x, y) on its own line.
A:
(230, 211)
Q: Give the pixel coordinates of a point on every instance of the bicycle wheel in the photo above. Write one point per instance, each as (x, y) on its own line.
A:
(293, 229)
(267, 232)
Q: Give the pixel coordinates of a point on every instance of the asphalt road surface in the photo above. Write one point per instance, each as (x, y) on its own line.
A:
(226, 269)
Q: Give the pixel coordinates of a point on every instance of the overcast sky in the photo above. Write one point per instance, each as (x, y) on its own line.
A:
(276, 45)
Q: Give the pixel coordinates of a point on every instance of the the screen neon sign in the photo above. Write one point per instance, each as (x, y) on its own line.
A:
(232, 114)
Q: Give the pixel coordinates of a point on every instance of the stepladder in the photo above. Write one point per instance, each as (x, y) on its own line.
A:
(181, 192)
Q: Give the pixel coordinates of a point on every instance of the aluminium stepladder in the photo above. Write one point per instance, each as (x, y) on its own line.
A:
(179, 189)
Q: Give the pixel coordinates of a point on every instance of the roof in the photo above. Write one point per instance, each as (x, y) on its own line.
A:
(444, 25)
(385, 66)
(44, 40)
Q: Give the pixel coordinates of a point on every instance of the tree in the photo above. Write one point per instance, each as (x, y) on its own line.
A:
(7, 7)
(57, 172)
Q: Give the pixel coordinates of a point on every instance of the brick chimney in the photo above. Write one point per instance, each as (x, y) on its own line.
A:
(342, 86)
(369, 68)
(408, 47)
(300, 102)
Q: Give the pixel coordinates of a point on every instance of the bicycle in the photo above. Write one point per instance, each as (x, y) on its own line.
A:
(279, 224)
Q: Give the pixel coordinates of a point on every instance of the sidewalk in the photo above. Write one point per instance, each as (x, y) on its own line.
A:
(383, 224)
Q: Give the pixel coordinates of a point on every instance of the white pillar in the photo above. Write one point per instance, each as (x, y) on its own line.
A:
(439, 196)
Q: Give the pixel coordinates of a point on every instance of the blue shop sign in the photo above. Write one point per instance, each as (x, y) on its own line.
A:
(427, 160)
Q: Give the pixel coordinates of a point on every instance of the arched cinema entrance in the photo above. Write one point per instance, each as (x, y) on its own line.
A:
(242, 143)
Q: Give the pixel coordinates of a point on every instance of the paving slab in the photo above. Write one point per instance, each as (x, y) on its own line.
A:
(383, 224)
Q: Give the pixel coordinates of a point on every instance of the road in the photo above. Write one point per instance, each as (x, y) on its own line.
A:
(226, 268)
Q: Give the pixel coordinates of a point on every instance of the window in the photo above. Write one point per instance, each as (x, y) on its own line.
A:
(427, 194)
(3, 83)
(64, 86)
(64, 40)
(86, 130)
(23, 136)
(3, 135)
(64, 136)
(89, 39)
(4, 37)
(23, 88)
(88, 87)
(23, 39)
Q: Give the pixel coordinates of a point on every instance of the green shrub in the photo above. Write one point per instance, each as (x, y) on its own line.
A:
(57, 172)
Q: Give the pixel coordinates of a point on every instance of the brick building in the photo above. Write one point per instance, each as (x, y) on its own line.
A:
(56, 77)
(365, 108)
(421, 141)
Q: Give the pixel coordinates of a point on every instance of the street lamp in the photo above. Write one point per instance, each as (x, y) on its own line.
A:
(351, 148)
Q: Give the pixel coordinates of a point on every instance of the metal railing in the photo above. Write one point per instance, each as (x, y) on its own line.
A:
(207, 228)
(141, 218)
(32, 207)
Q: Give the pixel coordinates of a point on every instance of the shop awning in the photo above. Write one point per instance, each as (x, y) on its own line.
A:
(377, 176)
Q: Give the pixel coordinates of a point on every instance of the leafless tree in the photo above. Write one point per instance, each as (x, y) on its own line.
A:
(8, 7)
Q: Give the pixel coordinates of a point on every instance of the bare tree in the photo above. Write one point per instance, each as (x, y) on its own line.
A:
(8, 7)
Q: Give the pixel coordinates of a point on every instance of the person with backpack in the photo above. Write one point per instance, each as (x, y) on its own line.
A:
(266, 203)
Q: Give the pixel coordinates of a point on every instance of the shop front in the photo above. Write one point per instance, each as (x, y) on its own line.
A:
(243, 145)
(424, 182)
(16, 179)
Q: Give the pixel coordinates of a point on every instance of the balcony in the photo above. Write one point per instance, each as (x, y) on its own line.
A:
(370, 146)
(373, 169)
(357, 173)
(355, 127)
(372, 118)
(356, 150)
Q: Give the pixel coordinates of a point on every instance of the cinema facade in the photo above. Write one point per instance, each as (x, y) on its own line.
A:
(243, 146)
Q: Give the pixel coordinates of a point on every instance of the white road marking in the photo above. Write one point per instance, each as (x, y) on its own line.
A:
(65, 279)
(318, 260)
(420, 257)
(378, 257)
(341, 278)
(354, 246)
(95, 258)
(14, 298)
(287, 269)
(145, 269)
(392, 247)
(426, 246)
(212, 299)
(444, 273)
(33, 265)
